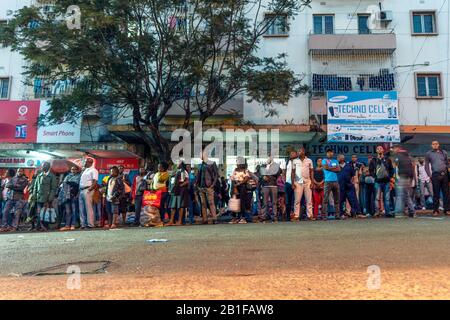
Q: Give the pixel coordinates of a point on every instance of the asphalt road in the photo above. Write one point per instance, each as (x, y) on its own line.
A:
(306, 260)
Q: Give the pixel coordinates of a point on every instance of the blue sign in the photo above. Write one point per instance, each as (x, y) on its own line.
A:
(363, 116)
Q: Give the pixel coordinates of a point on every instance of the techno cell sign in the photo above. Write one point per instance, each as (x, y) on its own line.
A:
(363, 116)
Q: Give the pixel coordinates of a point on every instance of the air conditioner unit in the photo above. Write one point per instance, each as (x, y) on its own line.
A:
(386, 16)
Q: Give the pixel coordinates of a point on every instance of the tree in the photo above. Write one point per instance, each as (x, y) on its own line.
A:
(145, 56)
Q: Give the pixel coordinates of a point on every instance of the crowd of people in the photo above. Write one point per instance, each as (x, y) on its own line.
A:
(389, 184)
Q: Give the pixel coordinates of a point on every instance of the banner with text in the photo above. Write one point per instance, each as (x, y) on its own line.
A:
(18, 124)
(363, 116)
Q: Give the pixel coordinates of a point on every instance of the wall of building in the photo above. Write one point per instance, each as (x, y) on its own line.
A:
(434, 50)
(410, 50)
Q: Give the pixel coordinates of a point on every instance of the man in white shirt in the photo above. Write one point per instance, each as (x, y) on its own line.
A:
(88, 182)
(424, 182)
(302, 172)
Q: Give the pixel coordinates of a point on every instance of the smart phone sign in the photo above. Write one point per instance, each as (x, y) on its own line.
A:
(18, 121)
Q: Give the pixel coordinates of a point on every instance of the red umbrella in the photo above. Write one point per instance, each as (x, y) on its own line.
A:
(59, 166)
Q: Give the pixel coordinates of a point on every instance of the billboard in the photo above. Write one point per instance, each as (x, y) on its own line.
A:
(59, 133)
(18, 121)
(18, 124)
(370, 116)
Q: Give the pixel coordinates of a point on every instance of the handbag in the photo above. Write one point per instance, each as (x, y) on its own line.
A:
(234, 204)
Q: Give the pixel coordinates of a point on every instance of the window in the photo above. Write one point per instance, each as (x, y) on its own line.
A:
(363, 24)
(278, 25)
(323, 24)
(4, 88)
(424, 23)
(428, 86)
(3, 23)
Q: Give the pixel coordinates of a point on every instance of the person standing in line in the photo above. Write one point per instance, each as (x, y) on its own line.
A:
(15, 201)
(160, 182)
(44, 191)
(331, 168)
(88, 182)
(137, 193)
(382, 171)
(302, 173)
(424, 180)
(206, 181)
(192, 206)
(437, 160)
(115, 190)
(123, 207)
(289, 191)
(10, 173)
(369, 189)
(357, 167)
(71, 191)
(239, 178)
(269, 173)
(347, 190)
(405, 173)
(317, 187)
(179, 198)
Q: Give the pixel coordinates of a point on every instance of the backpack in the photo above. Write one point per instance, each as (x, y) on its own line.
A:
(381, 172)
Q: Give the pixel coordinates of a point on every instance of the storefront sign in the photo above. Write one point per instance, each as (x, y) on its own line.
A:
(18, 124)
(18, 121)
(104, 165)
(59, 133)
(345, 149)
(363, 116)
(20, 162)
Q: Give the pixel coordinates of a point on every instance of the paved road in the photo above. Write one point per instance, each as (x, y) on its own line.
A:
(306, 260)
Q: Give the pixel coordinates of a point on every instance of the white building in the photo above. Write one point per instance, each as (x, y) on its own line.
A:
(334, 44)
(367, 45)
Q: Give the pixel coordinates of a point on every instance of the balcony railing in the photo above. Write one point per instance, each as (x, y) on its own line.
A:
(385, 80)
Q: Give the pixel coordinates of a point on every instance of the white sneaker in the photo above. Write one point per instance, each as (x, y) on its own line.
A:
(242, 221)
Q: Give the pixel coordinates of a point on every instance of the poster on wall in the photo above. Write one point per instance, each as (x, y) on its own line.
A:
(18, 124)
(370, 116)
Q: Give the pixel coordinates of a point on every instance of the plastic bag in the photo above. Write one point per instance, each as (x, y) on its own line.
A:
(152, 198)
(48, 215)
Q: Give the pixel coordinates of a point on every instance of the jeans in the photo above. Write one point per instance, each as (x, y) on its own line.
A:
(362, 197)
(272, 193)
(404, 192)
(440, 184)
(289, 192)
(382, 188)
(369, 198)
(72, 207)
(137, 209)
(347, 192)
(425, 186)
(87, 216)
(17, 206)
(331, 187)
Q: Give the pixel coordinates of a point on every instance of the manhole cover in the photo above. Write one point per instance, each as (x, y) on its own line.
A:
(86, 267)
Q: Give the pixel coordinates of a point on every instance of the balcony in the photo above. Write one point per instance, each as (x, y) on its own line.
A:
(352, 41)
